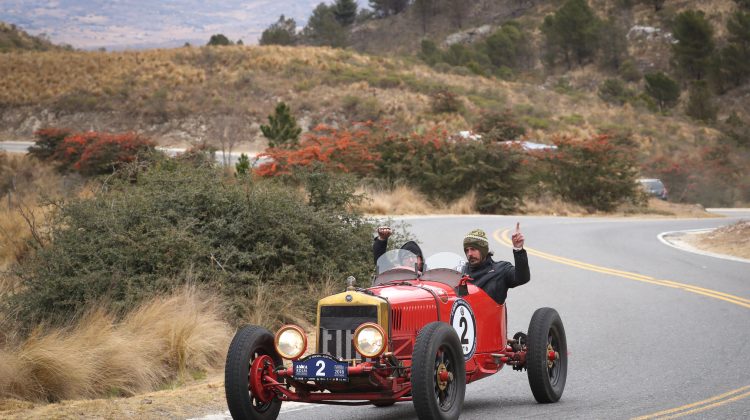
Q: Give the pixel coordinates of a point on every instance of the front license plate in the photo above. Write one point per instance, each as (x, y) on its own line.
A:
(320, 367)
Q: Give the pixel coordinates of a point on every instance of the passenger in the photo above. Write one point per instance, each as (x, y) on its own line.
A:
(380, 244)
(496, 277)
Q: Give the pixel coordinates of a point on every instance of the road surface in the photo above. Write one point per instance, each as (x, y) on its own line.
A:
(653, 331)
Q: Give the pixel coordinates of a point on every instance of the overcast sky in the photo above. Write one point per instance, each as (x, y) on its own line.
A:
(118, 24)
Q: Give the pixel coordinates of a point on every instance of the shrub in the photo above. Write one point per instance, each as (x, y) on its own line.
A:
(614, 92)
(663, 89)
(700, 104)
(47, 141)
(358, 108)
(499, 126)
(629, 72)
(141, 237)
(447, 168)
(593, 172)
(445, 101)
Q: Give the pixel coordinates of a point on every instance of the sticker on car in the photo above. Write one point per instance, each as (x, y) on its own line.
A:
(463, 321)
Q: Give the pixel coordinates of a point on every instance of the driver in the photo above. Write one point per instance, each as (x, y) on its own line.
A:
(380, 244)
(496, 277)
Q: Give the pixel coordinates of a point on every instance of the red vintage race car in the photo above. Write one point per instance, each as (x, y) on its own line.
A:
(410, 336)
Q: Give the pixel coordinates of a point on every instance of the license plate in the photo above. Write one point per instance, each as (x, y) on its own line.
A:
(320, 367)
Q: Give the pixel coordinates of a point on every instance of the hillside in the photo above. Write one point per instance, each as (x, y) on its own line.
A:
(12, 38)
(182, 94)
(221, 95)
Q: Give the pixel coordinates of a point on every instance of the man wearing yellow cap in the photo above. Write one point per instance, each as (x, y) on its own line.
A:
(496, 277)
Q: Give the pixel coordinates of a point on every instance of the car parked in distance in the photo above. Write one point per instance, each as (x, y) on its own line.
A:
(654, 187)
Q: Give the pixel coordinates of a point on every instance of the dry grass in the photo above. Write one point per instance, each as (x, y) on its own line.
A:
(406, 200)
(552, 206)
(161, 340)
(187, 81)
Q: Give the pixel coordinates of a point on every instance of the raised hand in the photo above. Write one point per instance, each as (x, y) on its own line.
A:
(384, 232)
(517, 237)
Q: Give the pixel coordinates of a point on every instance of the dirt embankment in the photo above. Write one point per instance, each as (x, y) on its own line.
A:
(732, 240)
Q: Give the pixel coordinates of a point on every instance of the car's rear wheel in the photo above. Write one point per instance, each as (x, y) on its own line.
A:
(547, 356)
(252, 345)
(438, 374)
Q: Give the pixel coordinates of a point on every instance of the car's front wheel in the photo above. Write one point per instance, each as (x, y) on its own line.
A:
(251, 346)
(438, 373)
(547, 356)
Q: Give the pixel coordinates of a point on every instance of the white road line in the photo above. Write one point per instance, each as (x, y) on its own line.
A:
(672, 238)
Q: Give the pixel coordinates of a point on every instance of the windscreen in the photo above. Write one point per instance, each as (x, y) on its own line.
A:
(445, 267)
(396, 265)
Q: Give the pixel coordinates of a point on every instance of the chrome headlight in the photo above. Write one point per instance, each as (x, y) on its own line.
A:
(369, 339)
(290, 342)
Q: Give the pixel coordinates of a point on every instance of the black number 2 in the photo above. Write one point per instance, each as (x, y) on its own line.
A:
(462, 323)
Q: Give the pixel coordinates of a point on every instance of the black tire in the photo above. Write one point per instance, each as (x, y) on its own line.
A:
(547, 379)
(249, 343)
(437, 343)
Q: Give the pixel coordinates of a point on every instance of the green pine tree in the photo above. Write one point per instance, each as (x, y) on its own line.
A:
(283, 32)
(663, 89)
(219, 40)
(282, 129)
(733, 61)
(695, 45)
(345, 11)
(242, 167)
(571, 33)
(324, 30)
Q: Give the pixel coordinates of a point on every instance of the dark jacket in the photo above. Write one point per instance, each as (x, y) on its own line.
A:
(496, 277)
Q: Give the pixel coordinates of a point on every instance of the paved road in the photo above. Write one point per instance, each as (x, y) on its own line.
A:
(642, 340)
(652, 330)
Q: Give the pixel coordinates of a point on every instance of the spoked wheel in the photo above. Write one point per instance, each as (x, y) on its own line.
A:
(547, 357)
(251, 356)
(438, 374)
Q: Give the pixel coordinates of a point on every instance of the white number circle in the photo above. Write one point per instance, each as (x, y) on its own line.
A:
(462, 320)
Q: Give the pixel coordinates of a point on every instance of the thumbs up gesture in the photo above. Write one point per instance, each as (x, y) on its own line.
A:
(517, 237)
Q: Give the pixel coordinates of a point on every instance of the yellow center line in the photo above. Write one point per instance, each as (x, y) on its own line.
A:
(504, 238)
(701, 405)
(696, 407)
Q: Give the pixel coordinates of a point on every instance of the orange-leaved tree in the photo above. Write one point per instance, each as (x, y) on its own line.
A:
(332, 149)
(94, 153)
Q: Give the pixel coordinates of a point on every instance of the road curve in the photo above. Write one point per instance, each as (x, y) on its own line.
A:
(653, 331)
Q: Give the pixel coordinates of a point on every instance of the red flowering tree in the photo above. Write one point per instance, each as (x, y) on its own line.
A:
(325, 148)
(108, 151)
(93, 152)
(47, 142)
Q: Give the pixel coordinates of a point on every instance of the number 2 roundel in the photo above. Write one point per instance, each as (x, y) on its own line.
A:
(462, 320)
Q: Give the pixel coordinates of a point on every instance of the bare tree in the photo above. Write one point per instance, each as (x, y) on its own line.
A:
(226, 131)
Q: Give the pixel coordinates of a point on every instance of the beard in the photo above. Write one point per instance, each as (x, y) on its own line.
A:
(474, 261)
